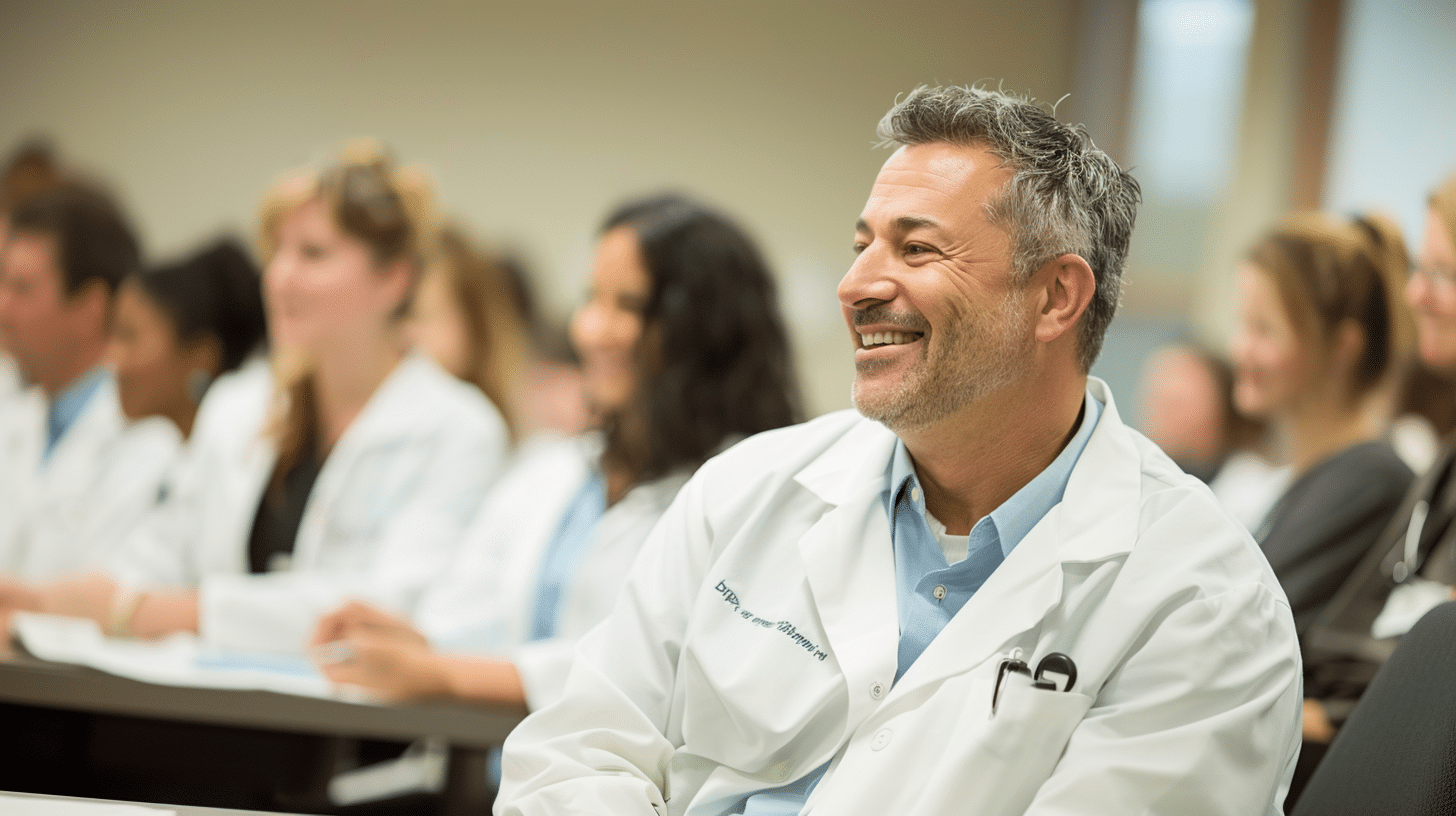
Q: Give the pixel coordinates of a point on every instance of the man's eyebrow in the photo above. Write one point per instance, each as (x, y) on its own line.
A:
(904, 223)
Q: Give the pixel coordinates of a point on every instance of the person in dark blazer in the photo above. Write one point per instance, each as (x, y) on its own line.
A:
(1415, 556)
(1320, 327)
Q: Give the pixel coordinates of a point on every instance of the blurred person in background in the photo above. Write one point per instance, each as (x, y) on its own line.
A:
(684, 353)
(1413, 567)
(552, 396)
(465, 317)
(1189, 412)
(1321, 327)
(1423, 412)
(180, 326)
(31, 169)
(353, 476)
(75, 471)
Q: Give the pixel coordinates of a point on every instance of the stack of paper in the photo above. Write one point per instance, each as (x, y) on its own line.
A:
(179, 660)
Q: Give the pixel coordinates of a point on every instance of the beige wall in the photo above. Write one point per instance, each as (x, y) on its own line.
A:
(534, 117)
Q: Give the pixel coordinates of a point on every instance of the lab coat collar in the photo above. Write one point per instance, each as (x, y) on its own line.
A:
(855, 592)
(398, 396)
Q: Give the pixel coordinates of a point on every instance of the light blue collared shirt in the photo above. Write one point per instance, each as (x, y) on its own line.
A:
(67, 406)
(922, 572)
(564, 554)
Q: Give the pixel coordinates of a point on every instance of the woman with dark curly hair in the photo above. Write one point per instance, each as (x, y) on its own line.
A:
(683, 353)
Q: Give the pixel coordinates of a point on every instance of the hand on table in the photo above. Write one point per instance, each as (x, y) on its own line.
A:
(357, 617)
(362, 645)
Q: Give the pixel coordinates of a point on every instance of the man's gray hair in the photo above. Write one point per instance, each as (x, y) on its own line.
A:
(1066, 195)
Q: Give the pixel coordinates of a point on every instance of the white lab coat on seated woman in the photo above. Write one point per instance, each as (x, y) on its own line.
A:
(486, 602)
(68, 512)
(385, 514)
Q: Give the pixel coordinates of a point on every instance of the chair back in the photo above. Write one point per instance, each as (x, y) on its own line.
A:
(1397, 751)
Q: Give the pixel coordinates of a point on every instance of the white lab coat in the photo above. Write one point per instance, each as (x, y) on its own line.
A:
(385, 514)
(68, 513)
(486, 602)
(756, 637)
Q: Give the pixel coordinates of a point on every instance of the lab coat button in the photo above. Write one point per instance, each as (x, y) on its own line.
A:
(782, 770)
(877, 690)
(881, 739)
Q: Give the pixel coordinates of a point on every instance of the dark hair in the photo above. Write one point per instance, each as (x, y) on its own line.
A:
(93, 241)
(215, 292)
(31, 169)
(714, 361)
(1065, 197)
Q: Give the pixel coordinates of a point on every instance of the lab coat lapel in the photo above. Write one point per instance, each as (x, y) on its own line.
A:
(71, 471)
(849, 562)
(1096, 520)
(377, 424)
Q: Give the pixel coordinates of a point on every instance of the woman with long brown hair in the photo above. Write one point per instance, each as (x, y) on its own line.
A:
(683, 353)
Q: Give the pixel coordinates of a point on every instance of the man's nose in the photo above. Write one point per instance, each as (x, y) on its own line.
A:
(867, 282)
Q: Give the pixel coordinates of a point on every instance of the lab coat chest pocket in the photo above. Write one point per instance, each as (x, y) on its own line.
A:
(758, 681)
(1033, 722)
(1009, 754)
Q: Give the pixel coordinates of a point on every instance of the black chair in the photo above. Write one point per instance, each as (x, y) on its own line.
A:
(1397, 751)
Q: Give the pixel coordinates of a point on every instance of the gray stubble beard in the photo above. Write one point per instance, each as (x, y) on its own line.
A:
(979, 360)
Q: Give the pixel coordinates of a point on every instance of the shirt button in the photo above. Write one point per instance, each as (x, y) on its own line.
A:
(939, 593)
(915, 494)
(877, 690)
(880, 740)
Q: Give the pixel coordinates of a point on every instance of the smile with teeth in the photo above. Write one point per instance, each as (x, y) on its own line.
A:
(875, 339)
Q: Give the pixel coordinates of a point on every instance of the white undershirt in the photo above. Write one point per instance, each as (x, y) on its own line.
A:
(955, 547)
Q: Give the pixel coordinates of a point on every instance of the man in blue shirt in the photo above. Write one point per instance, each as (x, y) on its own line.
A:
(65, 253)
(981, 593)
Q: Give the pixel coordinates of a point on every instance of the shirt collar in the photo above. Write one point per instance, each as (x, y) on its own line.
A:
(67, 405)
(1018, 514)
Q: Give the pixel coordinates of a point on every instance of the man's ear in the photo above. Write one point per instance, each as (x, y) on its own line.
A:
(1065, 286)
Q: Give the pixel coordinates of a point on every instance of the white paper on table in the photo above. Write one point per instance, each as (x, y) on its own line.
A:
(178, 660)
(12, 805)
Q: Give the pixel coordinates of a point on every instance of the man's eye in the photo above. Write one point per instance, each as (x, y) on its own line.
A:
(859, 247)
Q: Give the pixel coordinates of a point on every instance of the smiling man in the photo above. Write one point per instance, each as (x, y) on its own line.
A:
(979, 593)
